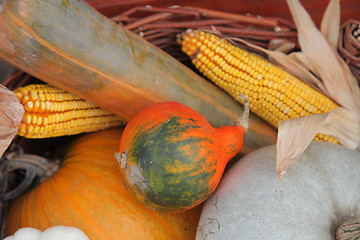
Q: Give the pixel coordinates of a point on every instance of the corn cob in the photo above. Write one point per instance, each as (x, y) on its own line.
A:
(52, 112)
(273, 93)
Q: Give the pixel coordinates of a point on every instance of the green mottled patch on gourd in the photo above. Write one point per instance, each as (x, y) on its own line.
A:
(174, 177)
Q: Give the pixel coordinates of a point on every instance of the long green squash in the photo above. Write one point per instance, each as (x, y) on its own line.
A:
(68, 44)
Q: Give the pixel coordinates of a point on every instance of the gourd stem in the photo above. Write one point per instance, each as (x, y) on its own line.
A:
(243, 121)
(349, 230)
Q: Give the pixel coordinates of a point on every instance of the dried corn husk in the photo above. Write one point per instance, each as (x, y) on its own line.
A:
(323, 60)
(320, 65)
(11, 115)
(330, 23)
(319, 56)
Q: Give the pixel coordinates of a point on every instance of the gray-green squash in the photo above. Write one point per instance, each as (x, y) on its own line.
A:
(319, 193)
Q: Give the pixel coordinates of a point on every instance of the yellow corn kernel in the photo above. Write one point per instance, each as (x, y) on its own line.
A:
(273, 93)
(52, 112)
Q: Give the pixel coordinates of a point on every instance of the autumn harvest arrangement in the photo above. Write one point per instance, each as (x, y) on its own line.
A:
(178, 122)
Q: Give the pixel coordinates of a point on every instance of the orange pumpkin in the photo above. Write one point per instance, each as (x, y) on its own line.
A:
(87, 192)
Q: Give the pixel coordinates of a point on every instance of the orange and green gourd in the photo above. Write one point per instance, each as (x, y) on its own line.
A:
(172, 159)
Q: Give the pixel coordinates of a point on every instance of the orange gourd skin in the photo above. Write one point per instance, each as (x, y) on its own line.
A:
(87, 192)
(174, 157)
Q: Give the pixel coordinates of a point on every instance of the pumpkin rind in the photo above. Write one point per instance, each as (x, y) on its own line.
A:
(175, 158)
(87, 192)
(318, 193)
